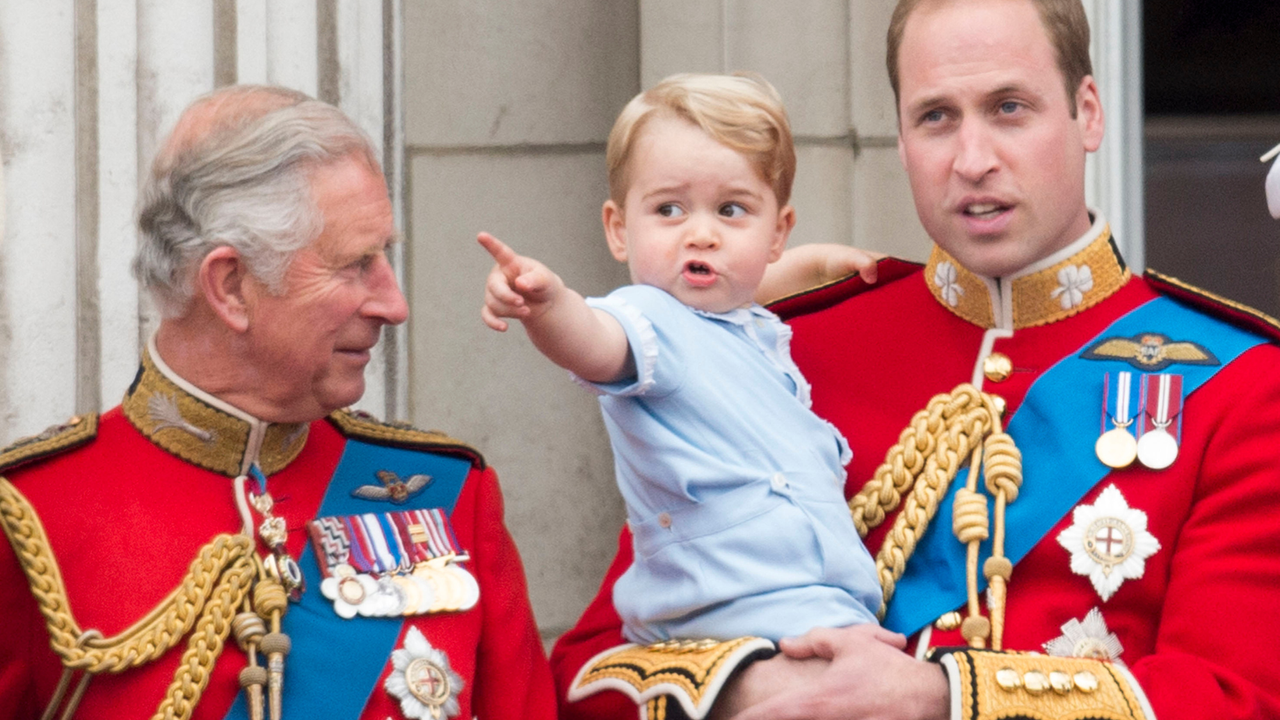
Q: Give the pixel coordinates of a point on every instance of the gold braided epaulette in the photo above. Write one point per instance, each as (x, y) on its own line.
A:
(674, 679)
(363, 426)
(75, 432)
(1216, 305)
(986, 684)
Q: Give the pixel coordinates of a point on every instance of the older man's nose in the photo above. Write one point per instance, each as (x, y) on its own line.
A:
(386, 303)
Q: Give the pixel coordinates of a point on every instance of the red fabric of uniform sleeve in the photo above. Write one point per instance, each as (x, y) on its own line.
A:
(597, 630)
(1215, 647)
(512, 677)
(23, 630)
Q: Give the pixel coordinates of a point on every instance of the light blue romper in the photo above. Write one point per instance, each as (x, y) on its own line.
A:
(734, 488)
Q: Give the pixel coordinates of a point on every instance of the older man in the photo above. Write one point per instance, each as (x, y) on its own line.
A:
(229, 542)
(1123, 522)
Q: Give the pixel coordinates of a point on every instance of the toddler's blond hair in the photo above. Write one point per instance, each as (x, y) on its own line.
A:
(741, 111)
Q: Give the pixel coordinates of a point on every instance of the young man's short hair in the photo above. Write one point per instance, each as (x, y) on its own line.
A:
(740, 111)
(1064, 22)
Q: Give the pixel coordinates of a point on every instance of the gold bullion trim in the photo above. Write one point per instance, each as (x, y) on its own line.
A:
(363, 426)
(1211, 300)
(692, 672)
(656, 709)
(74, 432)
(1037, 296)
(1040, 687)
(186, 426)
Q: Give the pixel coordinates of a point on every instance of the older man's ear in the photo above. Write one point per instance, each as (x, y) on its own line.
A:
(226, 287)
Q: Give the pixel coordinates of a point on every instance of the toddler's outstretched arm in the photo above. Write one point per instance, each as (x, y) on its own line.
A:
(573, 335)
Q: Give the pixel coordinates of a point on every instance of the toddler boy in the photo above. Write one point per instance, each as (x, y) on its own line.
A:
(733, 486)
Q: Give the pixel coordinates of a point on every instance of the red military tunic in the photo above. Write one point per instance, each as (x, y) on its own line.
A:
(1198, 627)
(128, 508)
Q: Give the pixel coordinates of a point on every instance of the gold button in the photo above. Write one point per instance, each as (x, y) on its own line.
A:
(1008, 679)
(1035, 682)
(75, 420)
(1000, 404)
(1085, 681)
(949, 621)
(1060, 682)
(997, 367)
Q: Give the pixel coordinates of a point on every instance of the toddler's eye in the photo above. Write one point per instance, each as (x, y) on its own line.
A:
(732, 210)
(670, 210)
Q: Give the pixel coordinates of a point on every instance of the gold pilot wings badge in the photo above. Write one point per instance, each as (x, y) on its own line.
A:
(393, 488)
(1150, 352)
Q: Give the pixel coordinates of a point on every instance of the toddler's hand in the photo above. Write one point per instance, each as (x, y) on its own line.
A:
(517, 286)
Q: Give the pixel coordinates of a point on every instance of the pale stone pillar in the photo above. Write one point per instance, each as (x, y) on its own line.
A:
(1114, 176)
(87, 90)
(507, 108)
(38, 294)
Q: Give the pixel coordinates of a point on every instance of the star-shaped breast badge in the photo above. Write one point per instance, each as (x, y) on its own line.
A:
(1108, 542)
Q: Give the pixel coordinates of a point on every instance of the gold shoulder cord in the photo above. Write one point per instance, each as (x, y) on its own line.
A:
(964, 423)
(207, 600)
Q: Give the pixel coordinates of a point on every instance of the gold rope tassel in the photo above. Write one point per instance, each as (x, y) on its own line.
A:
(921, 467)
(206, 601)
(1003, 475)
(270, 600)
(249, 631)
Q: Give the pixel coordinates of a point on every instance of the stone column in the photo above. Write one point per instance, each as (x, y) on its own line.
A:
(87, 90)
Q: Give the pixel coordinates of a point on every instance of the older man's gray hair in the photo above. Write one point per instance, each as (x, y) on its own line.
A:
(236, 171)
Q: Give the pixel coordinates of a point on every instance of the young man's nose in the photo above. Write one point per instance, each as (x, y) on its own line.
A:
(975, 154)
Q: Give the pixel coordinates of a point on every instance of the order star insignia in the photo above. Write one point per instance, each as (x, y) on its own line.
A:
(1108, 542)
(422, 680)
(1088, 638)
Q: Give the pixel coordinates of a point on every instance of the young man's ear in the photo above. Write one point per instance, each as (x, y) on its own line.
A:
(224, 282)
(615, 230)
(786, 221)
(1089, 114)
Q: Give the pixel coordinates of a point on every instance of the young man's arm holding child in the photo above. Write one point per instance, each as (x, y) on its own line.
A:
(808, 266)
(587, 342)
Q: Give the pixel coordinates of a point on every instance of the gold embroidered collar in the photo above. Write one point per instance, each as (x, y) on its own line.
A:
(203, 430)
(1071, 280)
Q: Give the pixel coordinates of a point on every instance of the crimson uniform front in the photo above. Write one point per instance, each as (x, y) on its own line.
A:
(1196, 620)
(127, 509)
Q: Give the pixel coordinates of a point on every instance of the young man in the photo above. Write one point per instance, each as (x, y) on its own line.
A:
(1140, 522)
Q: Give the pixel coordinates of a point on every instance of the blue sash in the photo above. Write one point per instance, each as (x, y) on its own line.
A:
(1055, 428)
(335, 663)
